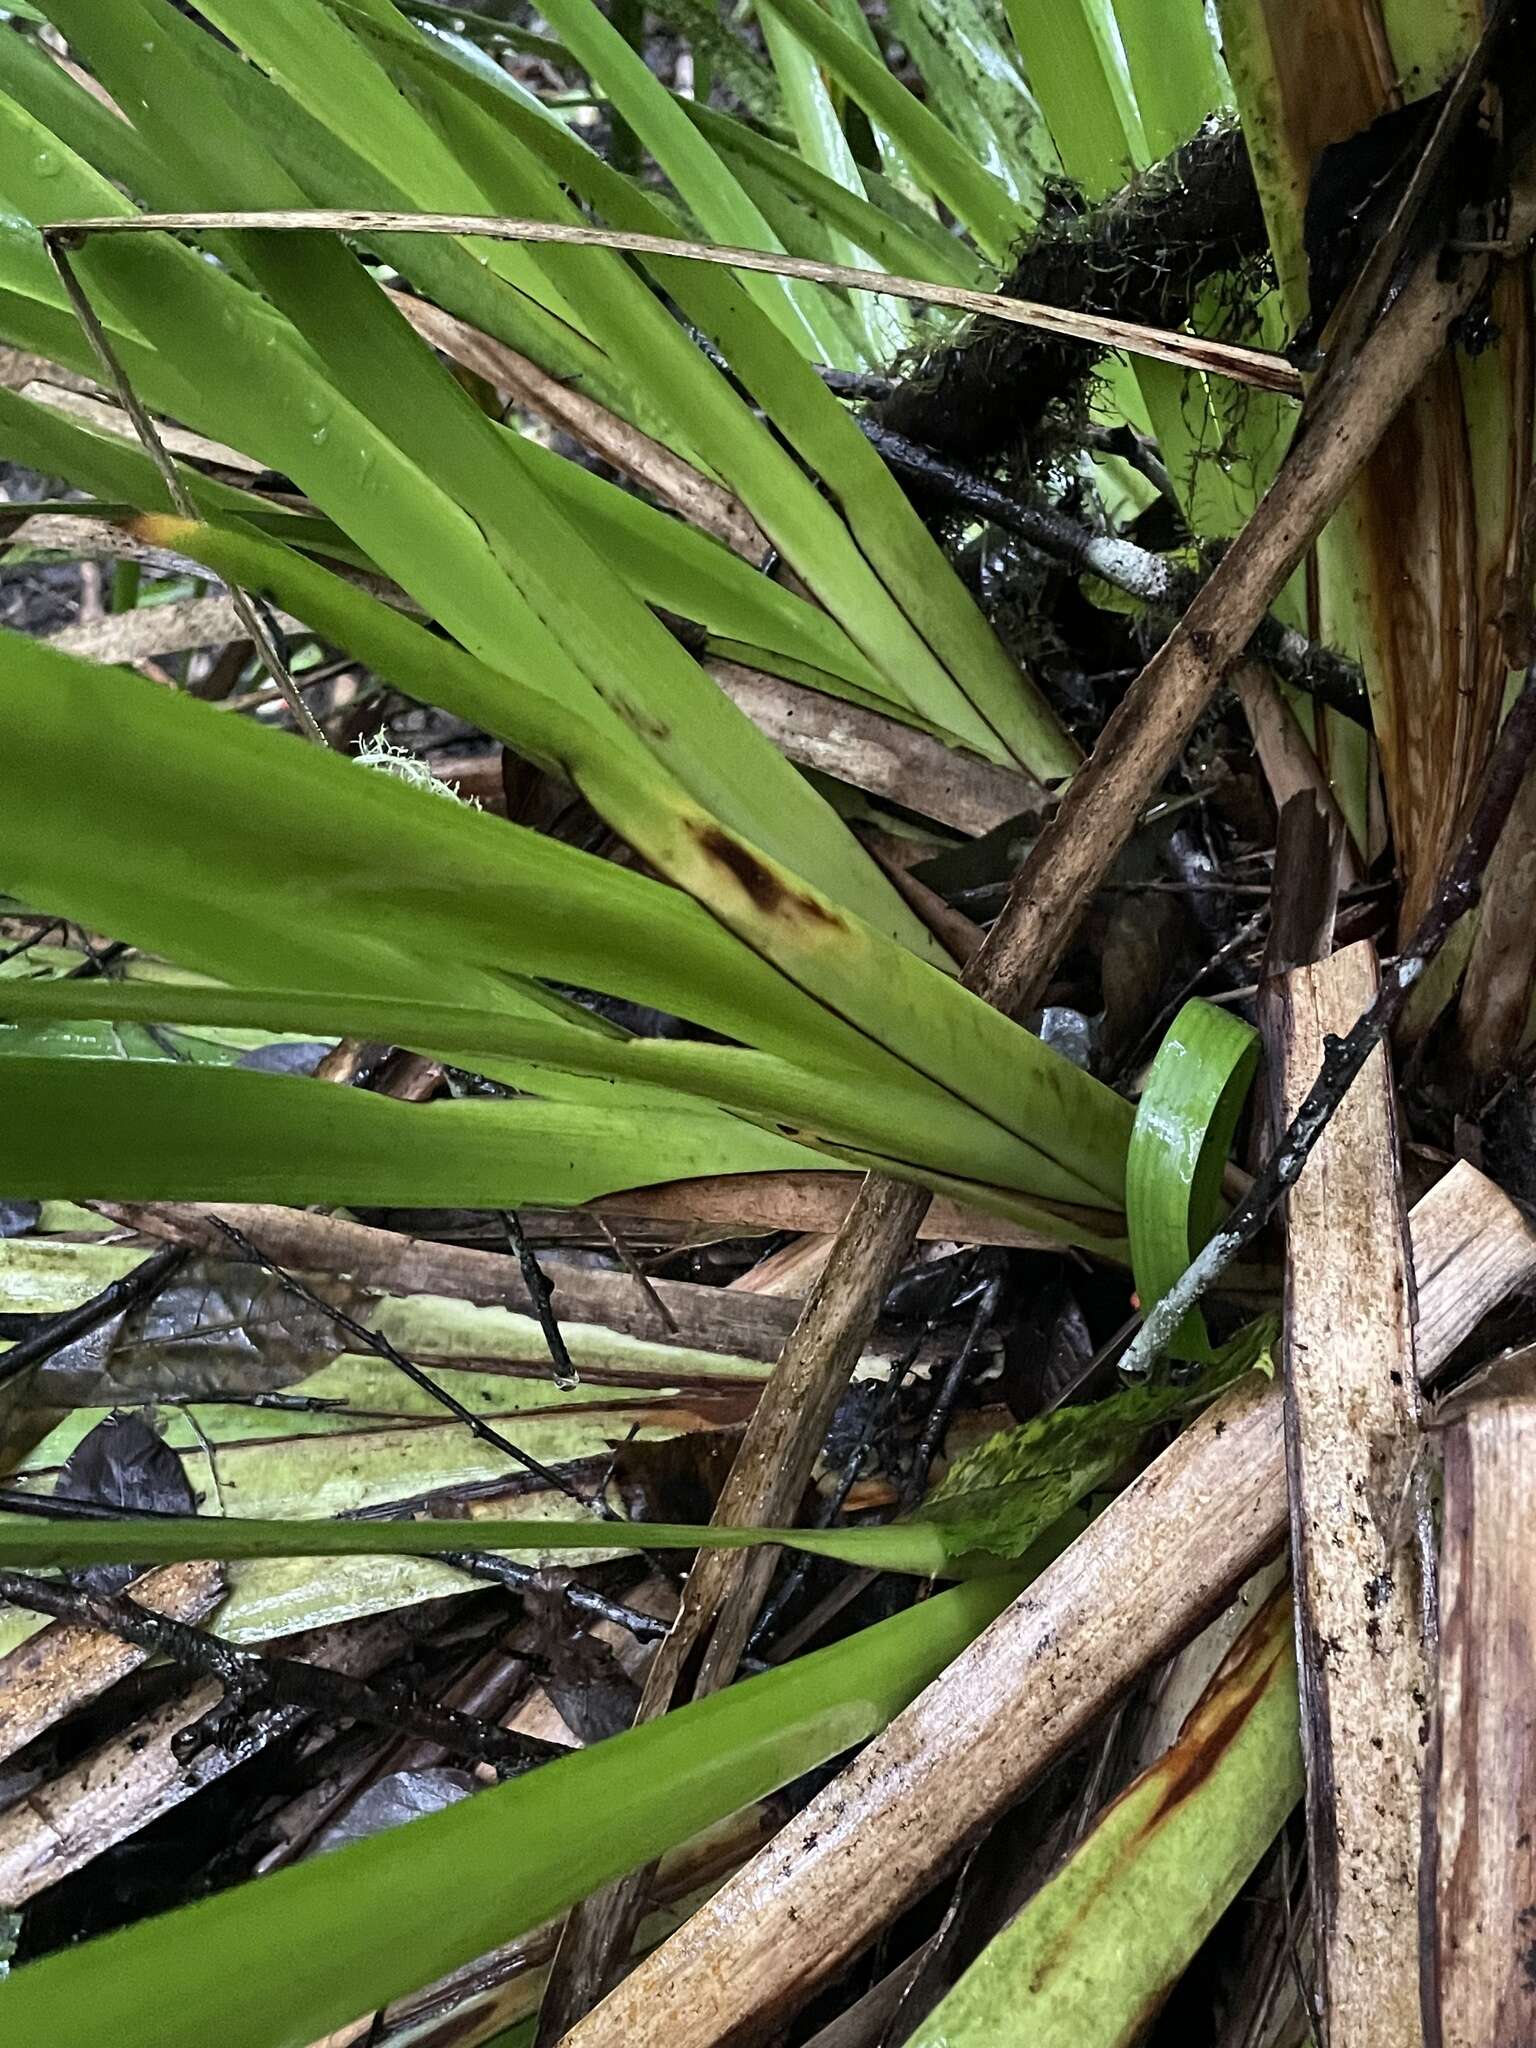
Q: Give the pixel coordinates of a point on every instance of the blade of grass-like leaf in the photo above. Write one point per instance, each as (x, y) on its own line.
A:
(897, 166)
(302, 44)
(1174, 68)
(864, 488)
(666, 562)
(686, 572)
(718, 49)
(52, 443)
(296, 41)
(185, 800)
(330, 170)
(972, 81)
(897, 243)
(885, 326)
(1185, 1123)
(175, 787)
(432, 407)
(705, 184)
(1066, 72)
(913, 1548)
(328, 1939)
(841, 1109)
(949, 171)
(148, 1130)
(1090, 1958)
(75, 115)
(881, 575)
(518, 588)
(994, 1506)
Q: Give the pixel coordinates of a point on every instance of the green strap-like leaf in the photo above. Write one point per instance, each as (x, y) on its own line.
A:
(1093, 1954)
(293, 1956)
(1184, 1125)
(991, 1510)
(948, 169)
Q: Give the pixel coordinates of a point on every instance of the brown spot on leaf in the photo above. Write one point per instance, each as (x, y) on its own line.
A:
(767, 892)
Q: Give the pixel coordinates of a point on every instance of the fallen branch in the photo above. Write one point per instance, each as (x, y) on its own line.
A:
(1344, 1057)
(1150, 578)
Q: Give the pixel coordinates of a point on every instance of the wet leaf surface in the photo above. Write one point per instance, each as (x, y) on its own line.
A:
(391, 1802)
(123, 1463)
(222, 1327)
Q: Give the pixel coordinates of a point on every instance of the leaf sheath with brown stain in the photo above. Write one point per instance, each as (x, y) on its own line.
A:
(1094, 1953)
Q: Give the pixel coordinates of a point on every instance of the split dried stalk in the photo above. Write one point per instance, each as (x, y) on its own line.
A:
(877, 753)
(695, 497)
(1361, 1540)
(1168, 1553)
(57, 1671)
(247, 1678)
(133, 1778)
(1258, 367)
(1480, 1876)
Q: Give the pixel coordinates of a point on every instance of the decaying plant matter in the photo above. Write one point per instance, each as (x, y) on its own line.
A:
(892, 605)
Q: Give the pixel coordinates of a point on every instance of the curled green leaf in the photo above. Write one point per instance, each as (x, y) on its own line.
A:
(1183, 1132)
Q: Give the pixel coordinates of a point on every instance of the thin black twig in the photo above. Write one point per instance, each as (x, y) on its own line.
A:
(140, 1285)
(638, 1274)
(416, 1374)
(527, 1578)
(881, 1408)
(1155, 582)
(949, 1390)
(1244, 936)
(252, 1680)
(1344, 1057)
(249, 613)
(540, 1293)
